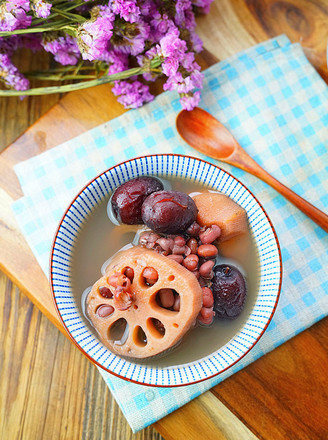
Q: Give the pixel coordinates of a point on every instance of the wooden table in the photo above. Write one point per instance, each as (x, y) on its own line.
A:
(48, 389)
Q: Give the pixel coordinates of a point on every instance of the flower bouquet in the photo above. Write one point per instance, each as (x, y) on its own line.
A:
(127, 42)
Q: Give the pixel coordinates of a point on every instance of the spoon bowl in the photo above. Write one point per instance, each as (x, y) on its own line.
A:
(206, 134)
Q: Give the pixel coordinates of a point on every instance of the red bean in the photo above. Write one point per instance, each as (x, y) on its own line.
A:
(179, 240)
(177, 258)
(123, 299)
(208, 300)
(210, 234)
(150, 274)
(153, 236)
(207, 250)
(191, 262)
(207, 312)
(187, 251)
(151, 241)
(166, 243)
(105, 310)
(193, 245)
(118, 279)
(159, 325)
(129, 272)
(166, 297)
(176, 305)
(205, 269)
(205, 316)
(193, 229)
(178, 250)
(149, 282)
(105, 292)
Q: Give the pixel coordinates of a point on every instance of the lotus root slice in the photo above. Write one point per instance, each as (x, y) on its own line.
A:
(145, 329)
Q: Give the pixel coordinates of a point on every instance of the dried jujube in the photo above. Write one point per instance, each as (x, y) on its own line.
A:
(128, 198)
(229, 291)
(168, 212)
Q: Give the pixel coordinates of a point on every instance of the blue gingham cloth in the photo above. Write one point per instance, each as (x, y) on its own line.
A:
(276, 105)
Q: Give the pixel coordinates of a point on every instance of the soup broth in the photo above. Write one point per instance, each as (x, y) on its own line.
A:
(100, 239)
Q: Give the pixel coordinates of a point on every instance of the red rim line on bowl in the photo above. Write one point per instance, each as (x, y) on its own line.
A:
(51, 274)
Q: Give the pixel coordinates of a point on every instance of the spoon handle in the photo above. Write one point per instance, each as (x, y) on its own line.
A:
(248, 164)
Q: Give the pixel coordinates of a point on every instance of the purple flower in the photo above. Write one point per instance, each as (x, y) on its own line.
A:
(118, 34)
(131, 39)
(188, 62)
(189, 20)
(203, 5)
(170, 66)
(172, 46)
(189, 102)
(160, 25)
(41, 8)
(94, 34)
(13, 15)
(8, 45)
(181, 7)
(147, 8)
(10, 75)
(184, 84)
(117, 61)
(132, 94)
(126, 9)
(65, 49)
(196, 42)
(180, 67)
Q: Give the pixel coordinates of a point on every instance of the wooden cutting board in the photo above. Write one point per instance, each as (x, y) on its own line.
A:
(271, 397)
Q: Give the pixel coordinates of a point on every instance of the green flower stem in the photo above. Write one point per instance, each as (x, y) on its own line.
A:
(156, 62)
(65, 69)
(71, 6)
(59, 77)
(73, 17)
(50, 27)
(78, 67)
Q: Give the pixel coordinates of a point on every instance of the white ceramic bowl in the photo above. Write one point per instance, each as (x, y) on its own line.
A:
(166, 166)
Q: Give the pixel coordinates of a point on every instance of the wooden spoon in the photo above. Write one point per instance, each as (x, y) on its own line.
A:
(207, 135)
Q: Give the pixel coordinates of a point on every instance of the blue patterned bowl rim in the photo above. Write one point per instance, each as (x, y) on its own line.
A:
(167, 166)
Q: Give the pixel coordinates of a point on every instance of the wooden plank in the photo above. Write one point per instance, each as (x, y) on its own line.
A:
(271, 396)
(49, 390)
(286, 390)
(205, 417)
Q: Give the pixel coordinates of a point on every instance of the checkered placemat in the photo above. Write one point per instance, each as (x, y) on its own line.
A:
(276, 105)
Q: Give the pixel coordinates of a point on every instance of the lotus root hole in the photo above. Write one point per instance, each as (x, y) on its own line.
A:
(171, 278)
(149, 276)
(139, 336)
(168, 299)
(155, 327)
(117, 330)
(129, 272)
(135, 307)
(104, 310)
